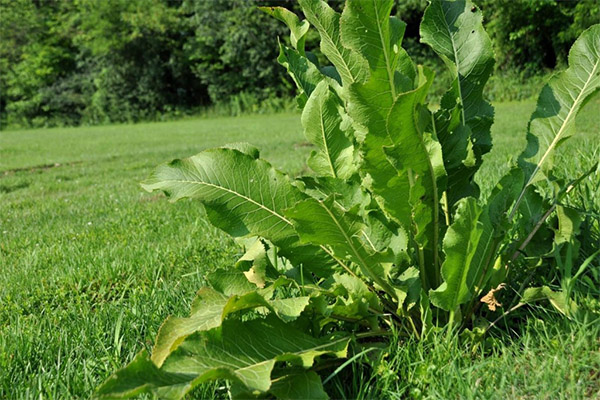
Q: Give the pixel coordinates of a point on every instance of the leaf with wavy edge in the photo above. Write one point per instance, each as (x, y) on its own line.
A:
(454, 31)
(558, 104)
(243, 196)
(322, 121)
(350, 65)
(211, 307)
(244, 352)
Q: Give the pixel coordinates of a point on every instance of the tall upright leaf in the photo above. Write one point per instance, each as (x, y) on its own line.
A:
(349, 64)
(368, 29)
(558, 104)
(305, 73)
(322, 122)
(454, 31)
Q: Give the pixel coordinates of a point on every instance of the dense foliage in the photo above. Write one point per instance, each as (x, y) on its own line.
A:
(85, 61)
(390, 235)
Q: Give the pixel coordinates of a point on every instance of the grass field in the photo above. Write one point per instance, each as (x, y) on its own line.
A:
(90, 265)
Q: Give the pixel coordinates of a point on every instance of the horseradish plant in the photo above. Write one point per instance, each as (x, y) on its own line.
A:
(390, 233)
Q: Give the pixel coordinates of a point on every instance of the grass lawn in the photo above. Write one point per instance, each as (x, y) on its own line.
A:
(90, 265)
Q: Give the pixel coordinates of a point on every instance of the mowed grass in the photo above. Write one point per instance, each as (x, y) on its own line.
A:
(90, 265)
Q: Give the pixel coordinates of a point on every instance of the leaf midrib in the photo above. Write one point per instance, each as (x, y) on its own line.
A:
(564, 124)
(555, 140)
(458, 80)
(385, 53)
(325, 145)
(234, 193)
(325, 35)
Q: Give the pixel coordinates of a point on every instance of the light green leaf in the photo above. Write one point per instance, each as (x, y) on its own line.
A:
(558, 104)
(559, 300)
(256, 266)
(459, 269)
(322, 122)
(350, 65)
(230, 282)
(417, 158)
(454, 31)
(368, 29)
(211, 307)
(243, 196)
(298, 29)
(142, 376)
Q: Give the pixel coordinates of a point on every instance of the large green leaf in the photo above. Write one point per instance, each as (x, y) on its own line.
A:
(242, 195)
(558, 105)
(454, 31)
(349, 64)
(322, 121)
(299, 386)
(244, 352)
(461, 268)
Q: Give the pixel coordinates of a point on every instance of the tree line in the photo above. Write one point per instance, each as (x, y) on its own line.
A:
(71, 62)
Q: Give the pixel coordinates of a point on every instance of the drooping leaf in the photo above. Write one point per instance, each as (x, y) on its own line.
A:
(140, 376)
(322, 122)
(559, 300)
(242, 195)
(459, 269)
(350, 65)
(244, 352)
(206, 313)
(454, 30)
(298, 29)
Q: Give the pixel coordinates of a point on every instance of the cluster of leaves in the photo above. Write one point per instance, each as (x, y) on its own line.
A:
(390, 233)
